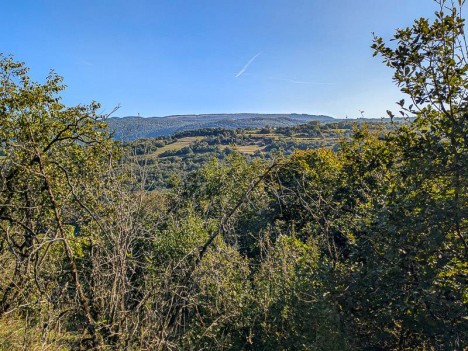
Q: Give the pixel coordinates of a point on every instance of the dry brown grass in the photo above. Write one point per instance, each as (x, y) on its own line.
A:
(17, 334)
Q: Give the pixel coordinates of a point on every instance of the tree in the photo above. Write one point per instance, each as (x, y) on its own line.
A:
(51, 174)
(412, 286)
(431, 67)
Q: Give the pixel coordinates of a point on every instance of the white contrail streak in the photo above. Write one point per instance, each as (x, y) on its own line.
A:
(242, 71)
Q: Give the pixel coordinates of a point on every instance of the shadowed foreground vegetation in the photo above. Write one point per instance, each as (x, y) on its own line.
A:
(359, 246)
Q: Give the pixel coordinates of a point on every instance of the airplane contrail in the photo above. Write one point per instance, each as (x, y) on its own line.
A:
(242, 71)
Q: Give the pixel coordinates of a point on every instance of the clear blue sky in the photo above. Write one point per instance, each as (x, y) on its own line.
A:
(162, 57)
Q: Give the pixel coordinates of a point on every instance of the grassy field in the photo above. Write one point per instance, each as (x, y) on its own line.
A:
(245, 149)
(282, 137)
(269, 135)
(177, 145)
(180, 143)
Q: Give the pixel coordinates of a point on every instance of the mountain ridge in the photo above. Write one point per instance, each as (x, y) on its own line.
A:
(135, 127)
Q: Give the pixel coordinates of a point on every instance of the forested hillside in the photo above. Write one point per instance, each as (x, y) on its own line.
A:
(131, 128)
(166, 159)
(338, 237)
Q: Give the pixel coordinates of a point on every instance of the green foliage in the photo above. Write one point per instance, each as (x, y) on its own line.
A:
(186, 152)
(50, 177)
(179, 240)
(293, 310)
(220, 308)
(358, 244)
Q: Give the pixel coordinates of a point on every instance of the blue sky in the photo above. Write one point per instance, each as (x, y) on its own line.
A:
(163, 57)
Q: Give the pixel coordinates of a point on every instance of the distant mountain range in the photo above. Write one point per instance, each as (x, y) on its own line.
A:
(132, 127)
